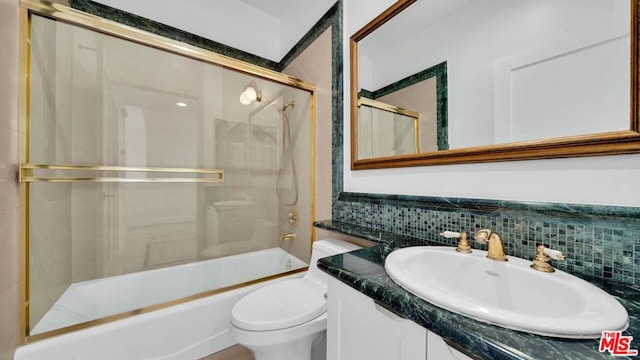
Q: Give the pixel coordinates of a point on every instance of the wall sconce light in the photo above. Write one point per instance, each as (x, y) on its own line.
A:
(250, 94)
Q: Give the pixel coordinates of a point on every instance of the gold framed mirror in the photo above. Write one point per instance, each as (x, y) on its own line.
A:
(535, 80)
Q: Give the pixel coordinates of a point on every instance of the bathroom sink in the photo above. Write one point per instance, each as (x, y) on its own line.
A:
(506, 293)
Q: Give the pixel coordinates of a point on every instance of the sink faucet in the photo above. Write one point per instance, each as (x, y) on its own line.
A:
(495, 248)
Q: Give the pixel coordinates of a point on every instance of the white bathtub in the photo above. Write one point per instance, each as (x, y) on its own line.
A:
(188, 331)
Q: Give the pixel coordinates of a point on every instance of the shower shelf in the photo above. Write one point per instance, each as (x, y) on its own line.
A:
(27, 169)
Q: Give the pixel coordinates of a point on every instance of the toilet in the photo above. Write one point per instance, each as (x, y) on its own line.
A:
(288, 319)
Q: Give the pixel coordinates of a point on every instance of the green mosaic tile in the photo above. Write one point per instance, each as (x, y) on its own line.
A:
(601, 242)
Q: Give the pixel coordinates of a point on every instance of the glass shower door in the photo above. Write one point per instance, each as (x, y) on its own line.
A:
(147, 179)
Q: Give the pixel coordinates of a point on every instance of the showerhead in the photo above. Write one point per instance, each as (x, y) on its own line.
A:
(291, 103)
(273, 103)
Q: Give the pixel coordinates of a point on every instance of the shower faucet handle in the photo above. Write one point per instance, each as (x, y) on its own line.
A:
(293, 218)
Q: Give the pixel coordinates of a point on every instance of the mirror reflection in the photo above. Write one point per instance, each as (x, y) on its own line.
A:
(422, 96)
(386, 130)
(527, 70)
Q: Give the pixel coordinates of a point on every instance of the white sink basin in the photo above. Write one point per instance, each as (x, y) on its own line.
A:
(509, 294)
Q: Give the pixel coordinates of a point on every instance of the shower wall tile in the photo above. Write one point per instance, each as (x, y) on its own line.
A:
(9, 332)
(86, 231)
(9, 200)
(9, 64)
(38, 290)
(9, 264)
(9, 280)
(9, 196)
(50, 255)
(328, 20)
(601, 242)
(8, 103)
(314, 65)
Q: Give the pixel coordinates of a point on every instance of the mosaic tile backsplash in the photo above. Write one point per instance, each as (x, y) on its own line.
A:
(599, 242)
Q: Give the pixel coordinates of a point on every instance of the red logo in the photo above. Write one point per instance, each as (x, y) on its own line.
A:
(616, 344)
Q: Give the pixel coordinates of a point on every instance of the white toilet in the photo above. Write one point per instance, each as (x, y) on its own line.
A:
(288, 319)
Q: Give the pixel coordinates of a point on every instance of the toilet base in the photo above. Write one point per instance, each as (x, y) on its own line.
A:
(319, 347)
(304, 342)
(307, 348)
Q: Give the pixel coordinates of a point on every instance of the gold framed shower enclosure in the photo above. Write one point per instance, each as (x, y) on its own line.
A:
(30, 172)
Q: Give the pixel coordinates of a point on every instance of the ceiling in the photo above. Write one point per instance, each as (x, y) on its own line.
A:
(267, 28)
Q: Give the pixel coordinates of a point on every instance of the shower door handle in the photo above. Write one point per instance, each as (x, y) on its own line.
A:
(27, 169)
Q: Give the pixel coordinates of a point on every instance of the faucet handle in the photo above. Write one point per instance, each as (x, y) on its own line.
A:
(450, 234)
(463, 242)
(554, 254)
(541, 260)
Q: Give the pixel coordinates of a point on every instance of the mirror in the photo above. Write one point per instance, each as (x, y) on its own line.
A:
(386, 131)
(492, 81)
(408, 116)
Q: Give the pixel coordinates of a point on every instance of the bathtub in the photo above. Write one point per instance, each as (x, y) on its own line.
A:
(188, 330)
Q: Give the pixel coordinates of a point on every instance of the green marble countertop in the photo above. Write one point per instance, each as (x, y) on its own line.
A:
(364, 271)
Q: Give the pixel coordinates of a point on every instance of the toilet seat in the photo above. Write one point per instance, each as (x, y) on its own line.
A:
(279, 306)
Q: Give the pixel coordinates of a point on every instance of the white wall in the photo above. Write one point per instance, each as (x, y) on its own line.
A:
(212, 20)
(610, 180)
(265, 28)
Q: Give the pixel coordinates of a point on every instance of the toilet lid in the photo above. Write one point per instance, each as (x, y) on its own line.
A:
(281, 305)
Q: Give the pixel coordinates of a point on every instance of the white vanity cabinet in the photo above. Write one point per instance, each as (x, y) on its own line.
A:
(358, 328)
(437, 349)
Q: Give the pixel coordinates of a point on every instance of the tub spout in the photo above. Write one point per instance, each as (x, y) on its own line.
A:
(289, 236)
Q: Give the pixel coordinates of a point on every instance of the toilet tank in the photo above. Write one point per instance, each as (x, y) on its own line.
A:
(324, 248)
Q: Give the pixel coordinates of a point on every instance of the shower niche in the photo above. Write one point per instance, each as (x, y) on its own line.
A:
(135, 181)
